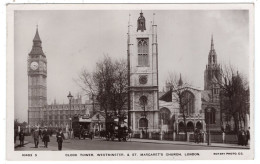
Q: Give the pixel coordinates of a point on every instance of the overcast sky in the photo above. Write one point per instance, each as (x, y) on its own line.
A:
(72, 40)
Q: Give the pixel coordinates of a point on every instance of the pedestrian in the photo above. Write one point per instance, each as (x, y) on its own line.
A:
(40, 132)
(21, 138)
(199, 136)
(243, 138)
(15, 135)
(60, 137)
(239, 137)
(247, 135)
(36, 136)
(45, 137)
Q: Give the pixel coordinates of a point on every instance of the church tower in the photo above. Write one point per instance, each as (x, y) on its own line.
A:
(37, 75)
(212, 74)
(143, 75)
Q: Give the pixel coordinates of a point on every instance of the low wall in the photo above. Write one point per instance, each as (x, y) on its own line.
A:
(215, 138)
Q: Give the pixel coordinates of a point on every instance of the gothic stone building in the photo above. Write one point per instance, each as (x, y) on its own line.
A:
(143, 75)
(53, 115)
(203, 106)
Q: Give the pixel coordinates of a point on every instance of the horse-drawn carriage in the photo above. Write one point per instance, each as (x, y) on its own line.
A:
(116, 128)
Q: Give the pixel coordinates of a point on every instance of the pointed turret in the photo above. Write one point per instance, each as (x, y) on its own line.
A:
(212, 53)
(212, 43)
(180, 83)
(212, 71)
(37, 44)
(37, 36)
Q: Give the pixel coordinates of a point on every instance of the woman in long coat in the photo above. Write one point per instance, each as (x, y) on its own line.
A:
(45, 137)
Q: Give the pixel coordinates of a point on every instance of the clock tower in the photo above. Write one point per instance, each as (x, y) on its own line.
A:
(37, 75)
(143, 76)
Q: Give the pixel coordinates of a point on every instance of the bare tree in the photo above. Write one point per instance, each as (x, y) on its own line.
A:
(179, 88)
(234, 96)
(108, 83)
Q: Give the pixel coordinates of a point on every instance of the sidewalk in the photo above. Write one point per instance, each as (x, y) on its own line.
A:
(189, 143)
(30, 146)
(17, 144)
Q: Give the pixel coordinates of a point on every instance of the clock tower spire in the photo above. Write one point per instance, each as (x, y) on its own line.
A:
(37, 77)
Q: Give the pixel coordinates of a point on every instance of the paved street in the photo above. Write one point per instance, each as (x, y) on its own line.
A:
(135, 144)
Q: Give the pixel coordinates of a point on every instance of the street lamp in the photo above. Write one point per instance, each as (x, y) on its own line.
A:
(208, 111)
(70, 98)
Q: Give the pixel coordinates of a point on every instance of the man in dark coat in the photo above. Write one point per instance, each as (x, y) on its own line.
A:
(36, 136)
(243, 138)
(60, 137)
(45, 137)
(21, 138)
(247, 136)
(196, 136)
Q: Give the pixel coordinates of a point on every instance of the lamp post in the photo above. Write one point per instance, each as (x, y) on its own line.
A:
(70, 98)
(208, 111)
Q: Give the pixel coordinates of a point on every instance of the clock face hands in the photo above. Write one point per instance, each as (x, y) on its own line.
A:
(34, 65)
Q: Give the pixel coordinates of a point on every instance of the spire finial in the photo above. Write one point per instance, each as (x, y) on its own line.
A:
(180, 81)
(153, 17)
(37, 36)
(212, 42)
(129, 21)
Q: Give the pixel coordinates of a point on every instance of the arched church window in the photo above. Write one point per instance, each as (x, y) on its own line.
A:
(188, 101)
(143, 123)
(190, 127)
(143, 100)
(181, 127)
(143, 52)
(165, 116)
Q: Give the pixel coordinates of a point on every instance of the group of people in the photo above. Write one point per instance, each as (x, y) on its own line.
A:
(198, 136)
(243, 137)
(38, 133)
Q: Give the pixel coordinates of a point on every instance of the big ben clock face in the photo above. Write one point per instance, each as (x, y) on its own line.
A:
(143, 79)
(34, 65)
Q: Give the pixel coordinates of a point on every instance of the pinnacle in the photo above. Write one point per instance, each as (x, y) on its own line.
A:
(37, 36)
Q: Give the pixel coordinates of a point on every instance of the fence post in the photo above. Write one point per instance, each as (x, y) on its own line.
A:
(223, 137)
(150, 135)
(161, 135)
(204, 137)
(141, 135)
(174, 136)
